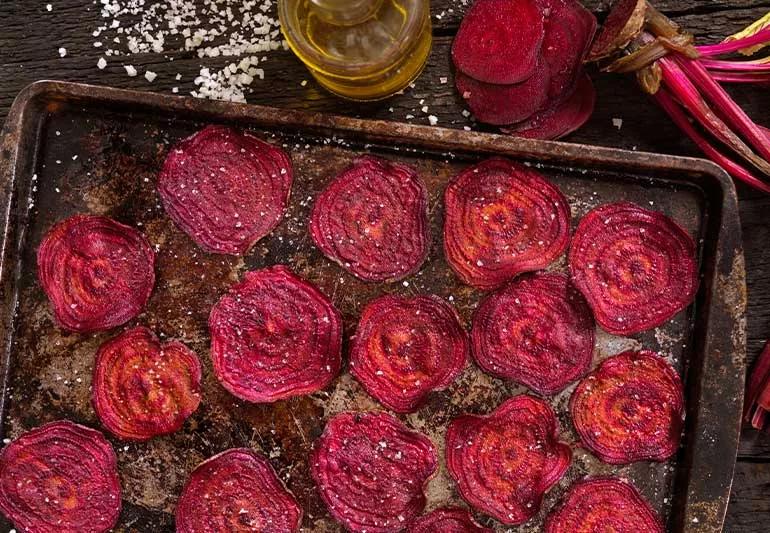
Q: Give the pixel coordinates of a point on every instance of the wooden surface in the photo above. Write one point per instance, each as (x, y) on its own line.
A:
(30, 37)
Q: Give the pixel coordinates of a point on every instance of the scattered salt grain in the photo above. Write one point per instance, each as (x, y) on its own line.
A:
(150, 76)
(48, 7)
(433, 119)
(130, 70)
(617, 122)
(101, 63)
(62, 52)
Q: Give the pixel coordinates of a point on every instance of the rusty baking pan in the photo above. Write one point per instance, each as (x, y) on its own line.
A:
(72, 148)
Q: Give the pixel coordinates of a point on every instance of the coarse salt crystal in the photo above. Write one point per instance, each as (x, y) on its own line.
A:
(130, 70)
(62, 52)
(101, 63)
(150, 76)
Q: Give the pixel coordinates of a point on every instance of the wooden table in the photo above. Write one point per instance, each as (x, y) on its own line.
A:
(30, 37)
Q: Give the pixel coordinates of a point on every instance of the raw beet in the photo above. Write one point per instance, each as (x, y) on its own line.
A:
(225, 189)
(603, 504)
(625, 21)
(371, 471)
(372, 220)
(757, 400)
(142, 387)
(502, 219)
(447, 521)
(60, 478)
(404, 348)
(97, 273)
(629, 409)
(499, 41)
(637, 268)
(236, 490)
(275, 336)
(504, 462)
(537, 331)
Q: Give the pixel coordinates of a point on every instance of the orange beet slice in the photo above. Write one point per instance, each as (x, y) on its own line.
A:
(636, 267)
(504, 462)
(447, 521)
(372, 220)
(275, 336)
(236, 490)
(142, 387)
(371, 471)
(404, 348)
(225, 189)
(537, 331)
(631, 408)
(97, 273)
(60, 478)
(501, 219)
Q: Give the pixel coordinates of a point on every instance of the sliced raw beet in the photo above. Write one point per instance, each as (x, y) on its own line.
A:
(625, 21)
(60, 478)
(371, 471)
(225, 189)
(603, 504)
(499, 41)
(142, 387)
(404, 348)
(275, 336)
(372, 220)
(504, 462)
(97, 273)
(236, 490)
(447, 521)
(637, 268)
(629, 409)
(537, 331)
(502, 219)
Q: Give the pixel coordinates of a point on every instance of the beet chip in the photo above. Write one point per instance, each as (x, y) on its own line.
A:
(60, 478)
(603, 504)
(637, 268)
(447, 521)
(142, 387)
(236, 490)
(225, 189)
(504, 462)
(537, 331)
(372, 220)
(97, 273)
(274, 336)
(405, 348)
(371, 471)
(631, 408)
(502, 219)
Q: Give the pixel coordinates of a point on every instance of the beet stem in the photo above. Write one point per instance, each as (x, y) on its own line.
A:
(760, 38)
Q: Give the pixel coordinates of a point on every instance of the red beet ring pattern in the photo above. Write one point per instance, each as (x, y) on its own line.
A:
(447, 521)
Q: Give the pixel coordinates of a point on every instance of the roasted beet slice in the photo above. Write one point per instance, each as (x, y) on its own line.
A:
(372, 220)
(502, 219)
(537, 331)
(603, 504)
(60, 478)
(504, 462)
(625, 21)
(274, 336)
(405, 348)
(225, 189)
(236, 490)
(499, 41)
(447, 521)
(371, 471)
(636, 267)
(142, 387)
(97, 273)
(630, 408)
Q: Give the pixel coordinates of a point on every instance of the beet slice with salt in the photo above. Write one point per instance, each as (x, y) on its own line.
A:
(630, 408)
(371, 471)
(60, 478)
(637, 268)
(502, 219)
(404, 348)
(142, 387)
(236, 490)
(537, 331)
(499, 41)
(97, 273)
(372, 220)
(603, 504)
(225, 189)
(275, 336)
(447, 521)
(504, 462)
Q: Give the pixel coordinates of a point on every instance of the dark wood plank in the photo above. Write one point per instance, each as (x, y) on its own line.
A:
(749, 510)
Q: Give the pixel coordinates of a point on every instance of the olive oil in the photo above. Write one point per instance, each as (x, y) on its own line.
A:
(359, 49)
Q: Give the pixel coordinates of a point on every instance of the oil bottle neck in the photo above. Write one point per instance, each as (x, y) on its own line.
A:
(345, 12)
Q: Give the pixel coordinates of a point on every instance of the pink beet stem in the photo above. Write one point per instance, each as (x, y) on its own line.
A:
(710, 50)
(759, 386)
(735, 66)
(740, 77)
